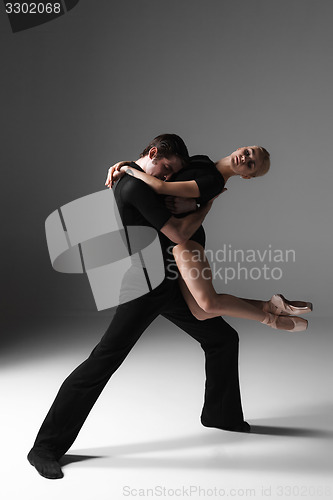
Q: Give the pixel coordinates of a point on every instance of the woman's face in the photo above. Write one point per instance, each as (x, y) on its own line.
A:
(246, 161)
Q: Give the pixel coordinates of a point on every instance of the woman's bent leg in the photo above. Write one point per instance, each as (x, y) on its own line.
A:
(199, 293)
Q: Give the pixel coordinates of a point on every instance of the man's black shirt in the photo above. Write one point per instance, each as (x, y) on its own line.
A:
(139, 205)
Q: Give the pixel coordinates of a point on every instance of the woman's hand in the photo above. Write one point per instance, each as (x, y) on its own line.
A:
(115, 173)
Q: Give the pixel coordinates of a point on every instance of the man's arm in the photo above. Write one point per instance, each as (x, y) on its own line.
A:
(152, 208)
(180, 230)
(179, 205)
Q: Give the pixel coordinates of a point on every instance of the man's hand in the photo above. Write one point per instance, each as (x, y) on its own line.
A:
(180, 205)
(115, 173)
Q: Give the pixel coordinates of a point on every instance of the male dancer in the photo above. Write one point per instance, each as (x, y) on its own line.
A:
(139, 205)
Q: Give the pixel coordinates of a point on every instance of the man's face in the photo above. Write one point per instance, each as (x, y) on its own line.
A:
(163, 168)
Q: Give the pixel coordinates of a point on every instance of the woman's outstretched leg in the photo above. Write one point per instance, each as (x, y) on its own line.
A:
(201, 297)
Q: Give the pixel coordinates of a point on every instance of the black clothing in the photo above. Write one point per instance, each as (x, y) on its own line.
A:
(79, 392)
(203, 170)
(139, 205)
(210, 183)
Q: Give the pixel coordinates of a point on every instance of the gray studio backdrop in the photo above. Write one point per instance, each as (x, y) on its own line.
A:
(95, 85)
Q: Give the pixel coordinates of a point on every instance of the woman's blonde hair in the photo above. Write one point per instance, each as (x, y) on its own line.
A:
(266, 161)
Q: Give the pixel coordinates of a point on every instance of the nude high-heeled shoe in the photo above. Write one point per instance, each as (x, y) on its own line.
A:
(300, 324)
(281, 306)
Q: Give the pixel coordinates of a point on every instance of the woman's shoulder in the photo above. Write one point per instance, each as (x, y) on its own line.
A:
(201, 161)
(199, 166)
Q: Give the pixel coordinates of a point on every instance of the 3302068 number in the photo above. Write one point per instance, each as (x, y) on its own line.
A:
(33, 8)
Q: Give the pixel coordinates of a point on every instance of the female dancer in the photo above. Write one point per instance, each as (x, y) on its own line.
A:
(202, 180)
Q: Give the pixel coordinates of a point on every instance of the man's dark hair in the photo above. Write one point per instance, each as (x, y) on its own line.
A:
(168, 145)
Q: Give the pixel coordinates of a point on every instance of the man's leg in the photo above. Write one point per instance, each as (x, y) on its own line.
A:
(80, 390)
(222, 406)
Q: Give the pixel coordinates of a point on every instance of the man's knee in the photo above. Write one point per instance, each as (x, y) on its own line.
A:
(225, 337)
(230, 337)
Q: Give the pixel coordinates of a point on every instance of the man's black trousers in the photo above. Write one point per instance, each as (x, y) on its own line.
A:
(79, 392)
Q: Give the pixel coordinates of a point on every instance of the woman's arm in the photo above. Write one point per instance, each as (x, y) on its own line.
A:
(185, 189)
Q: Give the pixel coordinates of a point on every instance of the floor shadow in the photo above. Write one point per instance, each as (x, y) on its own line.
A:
(271, 430)
(308, 449)
(214, 437)
(216, 455)
(70, 459)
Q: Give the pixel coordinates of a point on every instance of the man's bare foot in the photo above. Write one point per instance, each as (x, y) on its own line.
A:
(45, 467)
